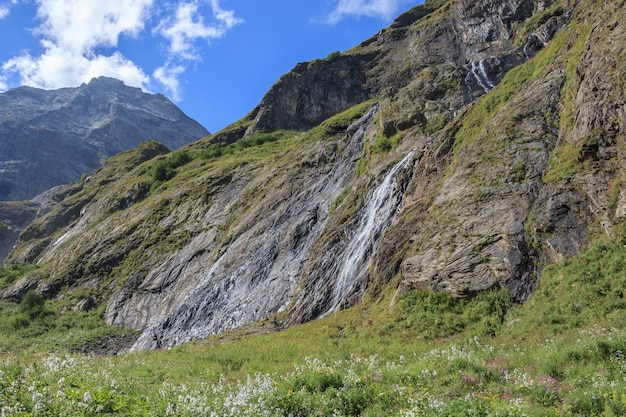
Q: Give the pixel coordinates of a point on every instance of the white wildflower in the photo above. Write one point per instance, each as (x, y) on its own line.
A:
(87, 397)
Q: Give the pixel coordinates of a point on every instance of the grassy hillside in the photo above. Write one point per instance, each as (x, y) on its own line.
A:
(399, 352)
(561, 353)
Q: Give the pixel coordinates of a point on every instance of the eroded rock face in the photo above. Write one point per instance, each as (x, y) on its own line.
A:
(49, 138)
(256, 273)
(482, 154)
(510, 202)
(314, 91)
(14, 217)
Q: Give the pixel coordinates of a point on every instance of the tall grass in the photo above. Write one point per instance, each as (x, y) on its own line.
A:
(561, 353)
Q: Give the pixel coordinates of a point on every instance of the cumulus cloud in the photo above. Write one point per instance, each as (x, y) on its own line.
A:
(384, 9)
(188, 26)
(71, 31)
(78, 39)
(59, 67)
(168, 76)
(4, 11)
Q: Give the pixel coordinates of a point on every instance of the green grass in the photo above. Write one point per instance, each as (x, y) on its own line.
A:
(11, 273)
(561, 353)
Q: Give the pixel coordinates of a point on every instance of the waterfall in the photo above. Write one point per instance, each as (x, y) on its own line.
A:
(479, 72)
(377, 216)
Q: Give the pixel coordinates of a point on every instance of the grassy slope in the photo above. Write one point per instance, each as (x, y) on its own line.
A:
(562, 353)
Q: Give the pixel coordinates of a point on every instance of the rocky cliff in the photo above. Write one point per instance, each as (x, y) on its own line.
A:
(459, 150)
(49, 138)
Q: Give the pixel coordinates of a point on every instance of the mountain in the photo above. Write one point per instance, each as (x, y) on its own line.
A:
(48, 138)
(460, 150)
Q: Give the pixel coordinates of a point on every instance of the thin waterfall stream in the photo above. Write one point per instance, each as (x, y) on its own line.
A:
(377, 216)
(479, 72)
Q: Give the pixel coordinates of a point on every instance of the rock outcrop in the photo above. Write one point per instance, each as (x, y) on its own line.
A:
(461, 149)
(49, 138)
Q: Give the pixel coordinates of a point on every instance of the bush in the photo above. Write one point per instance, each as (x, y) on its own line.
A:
(179, 158)
(211, 152)
(19, 321)
(165, 169)
(32, 305)
(440, 314)
(162, 171)
(11, 273)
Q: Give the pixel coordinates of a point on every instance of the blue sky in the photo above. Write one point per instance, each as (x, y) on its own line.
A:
(214, 58)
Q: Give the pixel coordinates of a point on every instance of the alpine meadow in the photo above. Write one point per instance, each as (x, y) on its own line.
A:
(432, 223)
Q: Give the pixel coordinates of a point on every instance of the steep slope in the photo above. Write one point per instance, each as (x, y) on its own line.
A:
(48, 138)
(459, 150)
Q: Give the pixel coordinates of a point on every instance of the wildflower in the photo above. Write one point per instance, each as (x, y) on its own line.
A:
(87, 397)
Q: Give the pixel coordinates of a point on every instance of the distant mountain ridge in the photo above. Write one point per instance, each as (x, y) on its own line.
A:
(48, 138)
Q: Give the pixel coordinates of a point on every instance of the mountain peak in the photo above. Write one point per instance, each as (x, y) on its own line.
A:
(53, 137)
(102, 81)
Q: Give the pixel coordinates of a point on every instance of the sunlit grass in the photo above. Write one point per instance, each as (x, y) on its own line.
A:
(375, 359)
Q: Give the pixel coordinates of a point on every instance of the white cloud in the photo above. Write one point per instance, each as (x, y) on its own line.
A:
(80, 26)
(183, 31)
(4, 11)
(70, 32)
(79, 39)
(188, 25)
(59, 67)
(384, 9)
(168, 77)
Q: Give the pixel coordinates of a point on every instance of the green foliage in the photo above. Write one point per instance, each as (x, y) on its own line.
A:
(162, 171)
(37, 325)
(255, 140)
(333, 56)
(210, 152)
(576, 292)
(436, 123)
(83, 179)
(32, 305)
(437, 315)
(382, 144)
(213, 151)
(11, 273)
(165, 169)
(179, 158)
(423, 357)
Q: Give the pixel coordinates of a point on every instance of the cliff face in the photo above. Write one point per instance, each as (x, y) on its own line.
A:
(49, 138)
(460, 149)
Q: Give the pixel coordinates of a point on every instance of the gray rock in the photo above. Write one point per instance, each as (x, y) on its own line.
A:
(505, 171)
(48, 138)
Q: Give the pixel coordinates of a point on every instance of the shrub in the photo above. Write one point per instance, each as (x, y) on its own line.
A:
(162, 171)
(333, 56)
(211, 152)
(438, 314)
(179, 158)
(11, 273)
(382, 144)
(32, 305)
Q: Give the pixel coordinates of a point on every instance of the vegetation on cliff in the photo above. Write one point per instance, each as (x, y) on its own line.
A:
(495, 131)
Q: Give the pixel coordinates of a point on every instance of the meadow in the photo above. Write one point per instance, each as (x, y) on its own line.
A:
(420, 354)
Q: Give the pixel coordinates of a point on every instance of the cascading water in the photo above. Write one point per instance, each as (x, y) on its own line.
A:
(258, 271)
(479, 72)
(377, 216)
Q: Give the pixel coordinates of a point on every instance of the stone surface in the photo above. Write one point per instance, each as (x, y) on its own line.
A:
(494, 128)
(49, 138)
